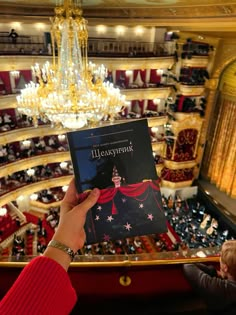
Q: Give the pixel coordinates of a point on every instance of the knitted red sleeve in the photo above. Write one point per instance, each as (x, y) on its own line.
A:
(43, 287)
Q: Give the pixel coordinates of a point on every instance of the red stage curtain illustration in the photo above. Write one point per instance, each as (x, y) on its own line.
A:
(132, 190)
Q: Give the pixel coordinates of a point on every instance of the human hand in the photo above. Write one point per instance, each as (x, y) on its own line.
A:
(70, 230)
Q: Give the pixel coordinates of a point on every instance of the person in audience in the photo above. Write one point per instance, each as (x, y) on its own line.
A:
(217, 287)
(13, 35)
(44, 286)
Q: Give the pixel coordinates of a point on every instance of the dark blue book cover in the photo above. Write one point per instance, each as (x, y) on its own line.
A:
(118, 160)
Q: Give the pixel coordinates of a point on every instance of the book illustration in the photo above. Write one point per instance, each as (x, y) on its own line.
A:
(118, 160)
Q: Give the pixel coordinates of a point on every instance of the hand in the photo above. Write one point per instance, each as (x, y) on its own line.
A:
(70, 230)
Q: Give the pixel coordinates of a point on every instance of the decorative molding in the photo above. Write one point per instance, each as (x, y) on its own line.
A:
(25, 62)
(30, 189)
(173, 165)
(195, 61)
(174, 185)
(157, 121)
(43, 159)
(158, 146)
(147, 93)
(190, 90)
(212, 84)
(190, 122)
(28, 133)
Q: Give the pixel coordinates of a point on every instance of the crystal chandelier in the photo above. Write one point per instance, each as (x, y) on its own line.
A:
(71, 92)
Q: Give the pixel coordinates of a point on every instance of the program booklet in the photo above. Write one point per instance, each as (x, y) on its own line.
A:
(118, 159)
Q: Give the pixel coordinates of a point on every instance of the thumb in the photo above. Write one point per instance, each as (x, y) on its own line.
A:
(90, 201)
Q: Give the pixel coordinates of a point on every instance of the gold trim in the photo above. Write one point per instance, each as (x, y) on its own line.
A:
(212, 84)
(158, 146)
(147, 93)
(159, 168)
(168, 184)
(137, 63)
(8, 101)
(124, 263)
(179, 165)
(125, 281)
(191, 121)
(23, 164)
(195, 61)
(182, 116)
(25, 62)
(44, 206)
(28, 133)
(30, 189)
(157, 121)
(191, 90)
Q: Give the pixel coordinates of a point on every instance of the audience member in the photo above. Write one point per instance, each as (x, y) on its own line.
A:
(217, 288)
(52, 291)
(13, 35)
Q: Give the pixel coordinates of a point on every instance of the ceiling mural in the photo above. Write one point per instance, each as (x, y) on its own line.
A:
(213, 17)
(127, 3)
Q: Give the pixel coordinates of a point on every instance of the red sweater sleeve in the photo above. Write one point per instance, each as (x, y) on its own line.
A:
(43, 287)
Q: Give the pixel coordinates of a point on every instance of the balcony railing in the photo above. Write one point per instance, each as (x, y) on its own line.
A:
(36, 45)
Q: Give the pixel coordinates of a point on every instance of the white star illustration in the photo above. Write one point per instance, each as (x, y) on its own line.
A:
(128, 226)
(97, 218)
(99, 208)
(110, 218)
(150, 216)
(141, 205)
(124, 200)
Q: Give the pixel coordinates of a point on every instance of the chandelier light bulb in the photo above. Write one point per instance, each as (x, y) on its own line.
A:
(30, 172)
(34, 197)
(65, 188)
(63, 165)
(61, 138)
(26, 144)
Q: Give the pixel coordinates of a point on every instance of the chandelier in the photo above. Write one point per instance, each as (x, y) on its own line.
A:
(71, 92)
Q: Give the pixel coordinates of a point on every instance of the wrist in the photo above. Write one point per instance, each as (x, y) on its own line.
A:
(62, 258)
(67, 241)
(64, 248)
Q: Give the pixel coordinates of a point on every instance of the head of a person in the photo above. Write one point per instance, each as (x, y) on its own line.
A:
(228, 259)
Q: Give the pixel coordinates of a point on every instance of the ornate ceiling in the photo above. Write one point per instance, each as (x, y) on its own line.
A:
(208, 17)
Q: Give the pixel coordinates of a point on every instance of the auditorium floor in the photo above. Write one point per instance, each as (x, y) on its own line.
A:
(158, 305)
(222, 198)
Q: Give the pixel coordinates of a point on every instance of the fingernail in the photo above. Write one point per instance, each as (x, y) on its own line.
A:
(95, 192)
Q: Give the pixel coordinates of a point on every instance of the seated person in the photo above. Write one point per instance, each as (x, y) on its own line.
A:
(218, 288)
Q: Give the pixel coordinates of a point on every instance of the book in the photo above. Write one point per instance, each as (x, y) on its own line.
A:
(118, 159)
